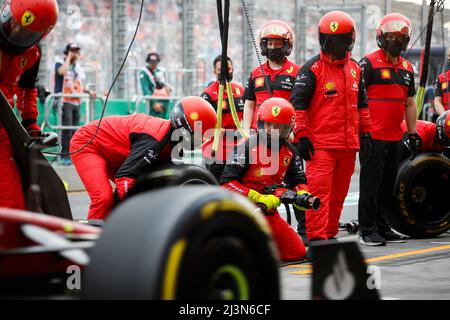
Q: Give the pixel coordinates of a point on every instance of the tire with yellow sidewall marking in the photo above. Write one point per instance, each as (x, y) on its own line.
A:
(191, 242)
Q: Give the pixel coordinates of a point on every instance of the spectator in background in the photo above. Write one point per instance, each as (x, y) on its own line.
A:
(153, 85)
(68, 80)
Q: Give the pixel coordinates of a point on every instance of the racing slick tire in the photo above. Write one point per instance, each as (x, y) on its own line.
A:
(193, 242)
(173, 175)
(420, 206)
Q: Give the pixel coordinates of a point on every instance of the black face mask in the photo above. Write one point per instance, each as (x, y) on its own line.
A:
(394, 48)
(339, 51)
(277, 55)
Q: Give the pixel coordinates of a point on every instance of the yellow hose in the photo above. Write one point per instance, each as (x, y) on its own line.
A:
(233, 110)
(219, 121)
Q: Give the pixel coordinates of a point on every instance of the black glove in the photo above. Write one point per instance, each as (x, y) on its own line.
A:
(305, 148)
(365, 142)
(414, 143)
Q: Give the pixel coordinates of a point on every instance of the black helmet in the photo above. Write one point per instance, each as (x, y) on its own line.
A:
(153, 58)
(71, 47)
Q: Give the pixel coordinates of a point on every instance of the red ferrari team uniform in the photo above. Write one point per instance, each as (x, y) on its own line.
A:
(442, 89)
(388, 88)
(281, 82)
(18, 75)
(225, 148)
(331, 110)
(247, 172)
(124, 148)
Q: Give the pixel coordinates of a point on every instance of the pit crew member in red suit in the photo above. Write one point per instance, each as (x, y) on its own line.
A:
(276, 76)
(249, 175)
(389, 80)
(127, 146)
(434, 137)
(331, 114)
(22, 24)
(227, 139)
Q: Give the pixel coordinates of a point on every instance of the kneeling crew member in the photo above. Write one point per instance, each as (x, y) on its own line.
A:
(249, 176)
(434, 137)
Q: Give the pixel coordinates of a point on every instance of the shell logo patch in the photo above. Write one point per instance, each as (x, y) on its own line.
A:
(405, 64)
(286, 160)
(276, 111)
(23, 62)
(448, 123)
(28, 18)
(259, 82)
(290, 69)
(444, 85)
(194, 116)
(334, 26)
(258, 173)
(385, 74)
(353, 72)
(330, 86)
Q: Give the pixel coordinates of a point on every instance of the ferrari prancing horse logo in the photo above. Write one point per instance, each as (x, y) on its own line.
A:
(276, 111)
(286, 160)
(334, 26)
(28, 18)
(23, 62)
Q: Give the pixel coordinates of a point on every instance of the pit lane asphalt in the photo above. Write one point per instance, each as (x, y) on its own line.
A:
(417, 269)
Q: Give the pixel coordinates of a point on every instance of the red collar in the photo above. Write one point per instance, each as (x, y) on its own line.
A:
(283, 66)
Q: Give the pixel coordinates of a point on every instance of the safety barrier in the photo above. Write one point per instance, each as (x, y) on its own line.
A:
(55, 100)
(134, 108)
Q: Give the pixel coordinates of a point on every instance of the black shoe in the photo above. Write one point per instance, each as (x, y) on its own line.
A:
(373, 239)
(393, 237)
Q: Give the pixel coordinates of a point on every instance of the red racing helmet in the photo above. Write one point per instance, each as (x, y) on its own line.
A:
(337, 33)
(443, 129)
(276, 29)
(277, 114)
(397, 24)
(24, 22)
(191, 112)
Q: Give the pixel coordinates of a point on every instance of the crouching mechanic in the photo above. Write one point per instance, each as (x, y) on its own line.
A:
(433, 137)
(250, 173)
(125, 147)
